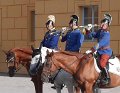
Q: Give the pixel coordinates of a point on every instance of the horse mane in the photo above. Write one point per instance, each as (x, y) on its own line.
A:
(77, 54)
(25, 50)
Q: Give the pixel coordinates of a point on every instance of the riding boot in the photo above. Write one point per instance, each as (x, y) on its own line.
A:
(106, 77)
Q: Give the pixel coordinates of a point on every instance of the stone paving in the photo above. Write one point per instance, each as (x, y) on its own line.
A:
(23, 84)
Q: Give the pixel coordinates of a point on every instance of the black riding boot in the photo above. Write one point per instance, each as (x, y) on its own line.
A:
(106, 77)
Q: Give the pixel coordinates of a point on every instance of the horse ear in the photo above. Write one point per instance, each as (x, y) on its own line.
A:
(32, 47)
(5, 52)
(47, 52)
(52, 53)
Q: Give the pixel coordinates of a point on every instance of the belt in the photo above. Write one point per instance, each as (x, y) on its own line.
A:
(103, 48)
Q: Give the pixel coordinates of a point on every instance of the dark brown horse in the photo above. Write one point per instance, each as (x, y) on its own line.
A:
(22, 56)
(80, 66)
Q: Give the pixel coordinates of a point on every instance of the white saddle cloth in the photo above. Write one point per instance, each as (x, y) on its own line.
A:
(114, 66)
(43, 54)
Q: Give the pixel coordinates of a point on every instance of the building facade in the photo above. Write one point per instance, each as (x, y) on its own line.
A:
(22, 22)
(15, 26)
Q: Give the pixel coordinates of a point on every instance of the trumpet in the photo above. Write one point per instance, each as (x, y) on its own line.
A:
(89, 27)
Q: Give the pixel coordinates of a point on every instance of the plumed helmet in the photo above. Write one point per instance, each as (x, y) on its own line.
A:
(51, 20)
(107, 19)
(74, 19)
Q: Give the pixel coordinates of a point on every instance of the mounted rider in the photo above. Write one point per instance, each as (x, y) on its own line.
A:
(51, 37)
(74, 38)
(103, 46)
(50, 40)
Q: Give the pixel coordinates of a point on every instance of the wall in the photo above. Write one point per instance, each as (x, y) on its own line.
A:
(15, 22)
(62, 9)
(14, 26)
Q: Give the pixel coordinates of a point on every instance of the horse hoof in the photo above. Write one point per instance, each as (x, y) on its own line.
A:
(53, 87)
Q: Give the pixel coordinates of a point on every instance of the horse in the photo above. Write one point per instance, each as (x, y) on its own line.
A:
(83, 68)
(22, 56)
(59, 78)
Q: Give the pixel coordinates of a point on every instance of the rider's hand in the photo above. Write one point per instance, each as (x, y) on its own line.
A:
(88, 51)
(92, 50)
(89, 27)
(63, 30)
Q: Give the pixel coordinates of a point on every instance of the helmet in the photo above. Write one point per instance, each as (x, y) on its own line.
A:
(51, 20)
(107, 19)
(74, 19)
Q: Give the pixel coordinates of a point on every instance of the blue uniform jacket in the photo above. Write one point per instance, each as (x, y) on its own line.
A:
(51, 39)
(103, 38)
(74, 40)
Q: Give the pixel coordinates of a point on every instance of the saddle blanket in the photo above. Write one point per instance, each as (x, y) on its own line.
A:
(43, 54)
(114, 66)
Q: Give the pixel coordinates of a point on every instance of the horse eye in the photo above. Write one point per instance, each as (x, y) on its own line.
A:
(37, 58)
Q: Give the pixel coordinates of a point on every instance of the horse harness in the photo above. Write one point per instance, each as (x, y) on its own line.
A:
(13, 59)
(52, 75)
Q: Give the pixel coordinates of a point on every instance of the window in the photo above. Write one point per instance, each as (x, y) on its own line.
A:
(90, 16)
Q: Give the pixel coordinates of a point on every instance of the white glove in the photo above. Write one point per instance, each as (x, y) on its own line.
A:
(64, 29)
(88, 51)
(89, 27)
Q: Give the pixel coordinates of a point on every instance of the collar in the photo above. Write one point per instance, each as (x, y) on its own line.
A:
(52, 30)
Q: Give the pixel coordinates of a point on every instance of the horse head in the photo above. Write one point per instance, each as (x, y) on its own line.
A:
(49, 68)
(10, 59)
(16, 58)
(36, 61)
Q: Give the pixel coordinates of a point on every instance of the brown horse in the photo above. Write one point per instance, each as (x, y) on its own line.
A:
(80, 66)
(17, 56)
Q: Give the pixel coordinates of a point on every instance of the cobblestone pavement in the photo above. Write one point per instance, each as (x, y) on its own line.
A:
(23, 84)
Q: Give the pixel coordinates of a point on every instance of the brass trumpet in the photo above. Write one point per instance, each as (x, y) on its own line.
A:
(89, 26)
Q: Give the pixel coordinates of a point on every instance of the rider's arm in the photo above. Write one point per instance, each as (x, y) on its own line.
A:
(102, 42)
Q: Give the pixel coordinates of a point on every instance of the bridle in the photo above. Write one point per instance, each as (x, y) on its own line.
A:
(51, 74)
(13, 60)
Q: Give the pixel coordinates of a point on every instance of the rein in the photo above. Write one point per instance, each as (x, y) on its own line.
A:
(20, 67)
(10, 59)
(13, 59)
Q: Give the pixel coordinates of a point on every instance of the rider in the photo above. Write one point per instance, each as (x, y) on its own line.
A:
(51, 37)
(50, 40)
(103, 46)
(74, 38)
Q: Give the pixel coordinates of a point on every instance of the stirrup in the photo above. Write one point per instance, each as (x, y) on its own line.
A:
(105, 81)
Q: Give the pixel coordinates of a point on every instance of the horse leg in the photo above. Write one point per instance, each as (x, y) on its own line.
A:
(58, 89)
(34, 80)
(89, 87)
(40, 84)
(77, 89)
(70, 88)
